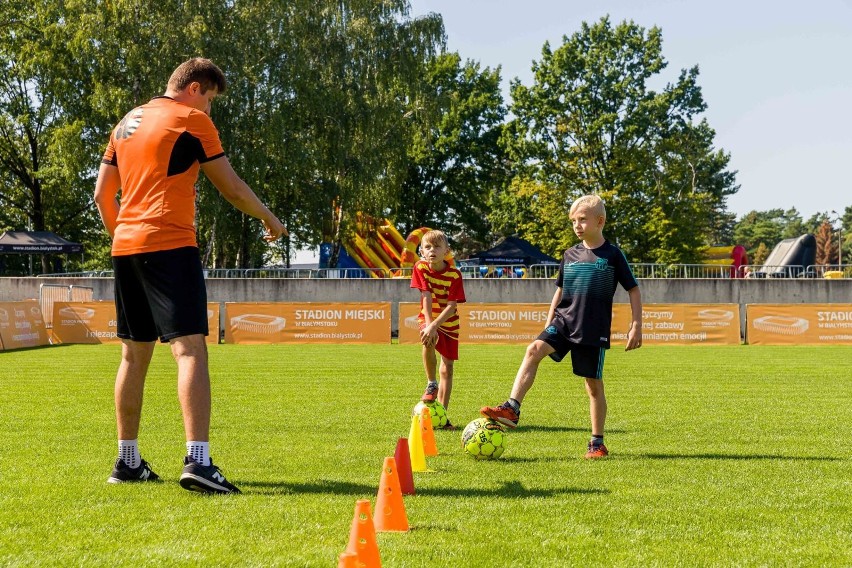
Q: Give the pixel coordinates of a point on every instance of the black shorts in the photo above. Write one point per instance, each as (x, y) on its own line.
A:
(160, 294)
(586, 360)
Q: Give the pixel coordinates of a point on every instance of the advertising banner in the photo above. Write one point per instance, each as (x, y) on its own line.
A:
(483, 323)
(680, 324)
(95, 322)
(307, 322)
(84, 322)
(22, 325)
(799, 324)
(213, 322)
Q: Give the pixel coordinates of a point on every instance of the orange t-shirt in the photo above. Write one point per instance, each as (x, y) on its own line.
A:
(158, 149)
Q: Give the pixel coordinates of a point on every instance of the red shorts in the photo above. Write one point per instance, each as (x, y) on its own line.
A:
(446, 346)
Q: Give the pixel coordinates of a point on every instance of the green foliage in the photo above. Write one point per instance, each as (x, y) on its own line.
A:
(454, 160)
(760, 255)
(314, 117)
(590, 124)
(45, 165)
(345, 78)
(690, 479)
(537, 211)
(768, 228)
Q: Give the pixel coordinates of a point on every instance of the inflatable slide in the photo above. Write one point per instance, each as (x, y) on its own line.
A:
(733, 256)
(378, 248)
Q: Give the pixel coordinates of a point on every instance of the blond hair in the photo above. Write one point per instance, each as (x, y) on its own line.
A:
(593, 203)
(435, 238)
(200, 70)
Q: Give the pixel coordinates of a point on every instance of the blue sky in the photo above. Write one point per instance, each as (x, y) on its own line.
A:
(776, 76)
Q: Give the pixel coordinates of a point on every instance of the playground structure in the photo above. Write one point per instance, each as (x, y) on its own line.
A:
(379, 249)
(733, 256)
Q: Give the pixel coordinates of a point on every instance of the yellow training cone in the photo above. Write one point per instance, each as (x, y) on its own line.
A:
(415, 443)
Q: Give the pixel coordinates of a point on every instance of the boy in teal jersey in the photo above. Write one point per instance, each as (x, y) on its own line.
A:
(580, 318)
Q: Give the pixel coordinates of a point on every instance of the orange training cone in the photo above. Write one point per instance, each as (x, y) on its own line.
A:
(430, 448)
(403, 466)
(362, 537)
(415, 445)
(390, 510)
(347, 560)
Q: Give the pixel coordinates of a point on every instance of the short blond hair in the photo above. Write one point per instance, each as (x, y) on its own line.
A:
(591, 202)
(435, 238)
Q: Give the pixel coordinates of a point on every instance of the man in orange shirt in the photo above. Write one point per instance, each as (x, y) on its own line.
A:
(153, 159)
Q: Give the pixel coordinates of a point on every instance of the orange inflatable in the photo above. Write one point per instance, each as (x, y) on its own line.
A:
(380, 249)
(410, 256)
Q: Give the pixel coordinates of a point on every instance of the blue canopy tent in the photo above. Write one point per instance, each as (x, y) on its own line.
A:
(512, 250)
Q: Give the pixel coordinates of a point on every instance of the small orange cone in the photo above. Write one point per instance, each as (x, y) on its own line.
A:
(403, 466)
(390, 510)
(415, 445)
(362, 537)
(430, 448)
(347, 560)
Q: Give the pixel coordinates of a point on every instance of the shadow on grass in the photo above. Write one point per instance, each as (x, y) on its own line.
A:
(510, 489)
(538, 459)
(320, 486)
(543, 428)
(735, 457)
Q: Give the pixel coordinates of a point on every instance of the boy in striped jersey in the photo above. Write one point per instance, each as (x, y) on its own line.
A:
(441, 289)
(580, 318)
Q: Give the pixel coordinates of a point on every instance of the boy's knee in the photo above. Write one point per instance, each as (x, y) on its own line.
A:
(537, 350)
(595, 388)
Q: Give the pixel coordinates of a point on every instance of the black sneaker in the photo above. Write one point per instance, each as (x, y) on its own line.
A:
(204, 479)
(121, 473)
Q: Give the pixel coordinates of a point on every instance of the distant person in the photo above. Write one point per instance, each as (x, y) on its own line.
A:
(441, 289)
(580, 318)
(152, 159)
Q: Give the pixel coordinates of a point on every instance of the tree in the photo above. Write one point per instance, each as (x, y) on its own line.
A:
(45, 179)
(760, 255)
(845, 226)
(768, 228)
(357, 69)
(590, 124)
(826, 246)
(315, 119)
(454, 160)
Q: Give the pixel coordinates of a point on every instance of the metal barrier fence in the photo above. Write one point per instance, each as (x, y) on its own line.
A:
(84, 274)
(640, 270)
(50, 293)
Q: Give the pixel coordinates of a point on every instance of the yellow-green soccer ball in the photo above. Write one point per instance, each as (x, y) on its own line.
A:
(436, 411)
(484, 439)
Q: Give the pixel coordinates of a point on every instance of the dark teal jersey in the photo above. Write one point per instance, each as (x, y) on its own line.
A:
(588, 278)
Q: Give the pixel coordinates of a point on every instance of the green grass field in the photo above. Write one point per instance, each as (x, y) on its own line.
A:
(719, 456)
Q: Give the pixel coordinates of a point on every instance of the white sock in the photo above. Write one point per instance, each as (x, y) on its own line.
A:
(199, 451)
(128, 451)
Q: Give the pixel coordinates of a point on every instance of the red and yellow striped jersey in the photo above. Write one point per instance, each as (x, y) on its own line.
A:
(445, 286)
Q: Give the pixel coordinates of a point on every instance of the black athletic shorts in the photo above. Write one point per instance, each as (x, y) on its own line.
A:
(586, 360)
(160, 294)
